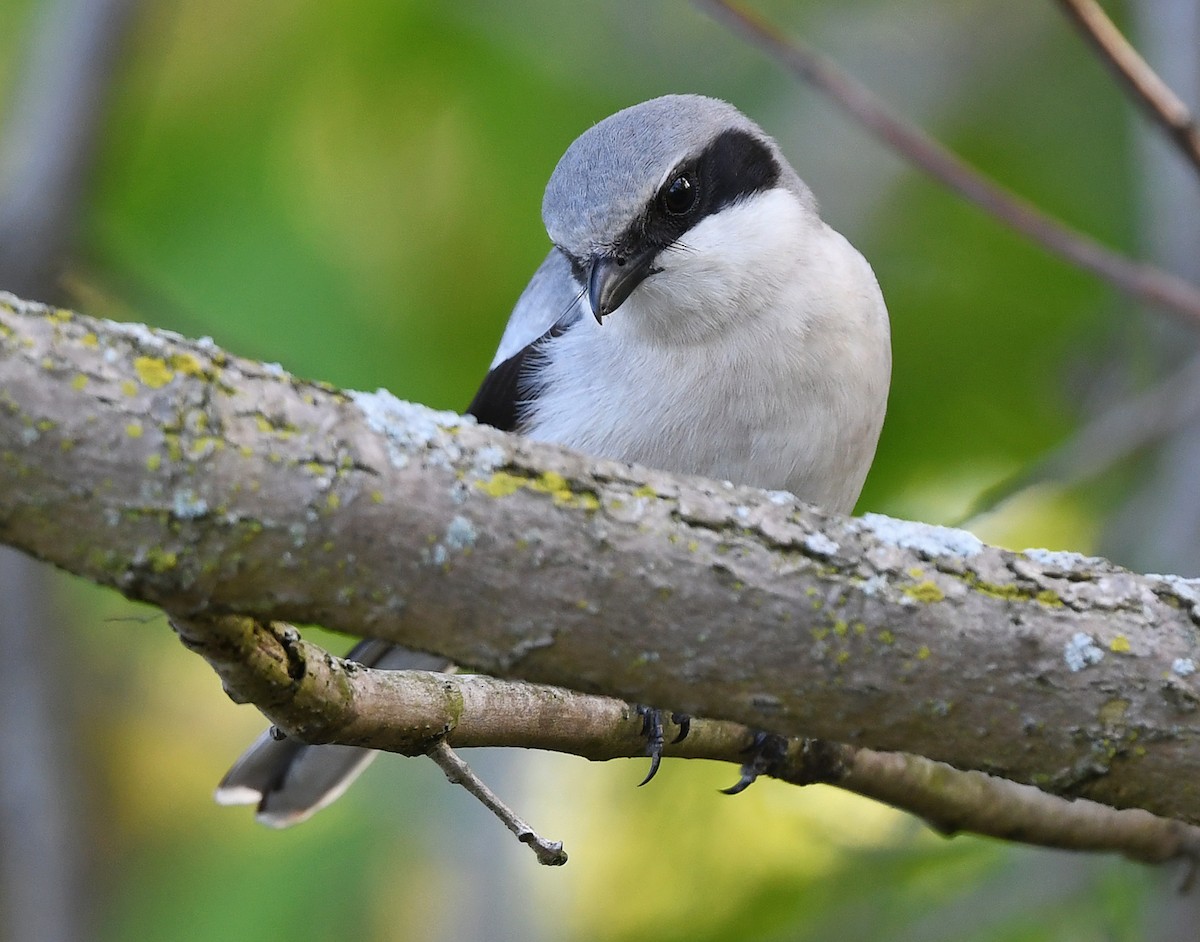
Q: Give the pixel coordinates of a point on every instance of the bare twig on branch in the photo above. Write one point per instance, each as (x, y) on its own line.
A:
(321, 698)
(548, 853)
(1139, 280)
(1146, 88)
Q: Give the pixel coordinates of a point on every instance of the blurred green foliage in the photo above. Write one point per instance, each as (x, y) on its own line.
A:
(353, 190)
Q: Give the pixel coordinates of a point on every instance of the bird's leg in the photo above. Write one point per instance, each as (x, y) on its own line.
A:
(766, 753)
(652, 729)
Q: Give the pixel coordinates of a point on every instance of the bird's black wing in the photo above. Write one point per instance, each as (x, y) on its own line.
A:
(549, 306)
(506, 392)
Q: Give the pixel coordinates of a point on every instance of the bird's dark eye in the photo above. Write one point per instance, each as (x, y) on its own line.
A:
(679, 196)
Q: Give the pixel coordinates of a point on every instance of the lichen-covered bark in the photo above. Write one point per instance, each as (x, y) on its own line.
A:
(204, 483)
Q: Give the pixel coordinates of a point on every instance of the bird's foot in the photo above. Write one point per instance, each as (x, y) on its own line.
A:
(766, 754)
(652, 729)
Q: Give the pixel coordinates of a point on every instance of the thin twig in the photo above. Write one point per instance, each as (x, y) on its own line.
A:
(1136, 279)
(548, 853)
(1149, 91)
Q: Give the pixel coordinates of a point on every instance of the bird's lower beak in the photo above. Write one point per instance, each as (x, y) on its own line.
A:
(612, 279)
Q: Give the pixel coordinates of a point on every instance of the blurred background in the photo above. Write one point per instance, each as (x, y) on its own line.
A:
(353, 190)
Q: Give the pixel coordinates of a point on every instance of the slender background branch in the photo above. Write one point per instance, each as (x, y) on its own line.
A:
(1139, 280)
(1150, 92)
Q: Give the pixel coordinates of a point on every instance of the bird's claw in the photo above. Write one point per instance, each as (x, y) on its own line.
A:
(684, 722)
(652, 729)
(766, 753)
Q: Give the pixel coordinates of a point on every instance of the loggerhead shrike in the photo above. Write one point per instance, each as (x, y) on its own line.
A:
(695, 315)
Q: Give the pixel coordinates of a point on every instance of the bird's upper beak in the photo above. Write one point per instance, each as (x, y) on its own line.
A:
(612, 279)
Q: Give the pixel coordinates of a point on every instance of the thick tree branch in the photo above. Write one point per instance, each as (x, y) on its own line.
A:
(207, 484)
(321, 698)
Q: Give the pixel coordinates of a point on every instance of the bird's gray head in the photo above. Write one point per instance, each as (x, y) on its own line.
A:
(635, 184)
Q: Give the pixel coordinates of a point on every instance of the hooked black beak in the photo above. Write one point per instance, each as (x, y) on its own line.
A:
(612, 279)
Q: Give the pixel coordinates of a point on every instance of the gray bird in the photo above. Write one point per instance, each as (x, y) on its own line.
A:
(695, 314)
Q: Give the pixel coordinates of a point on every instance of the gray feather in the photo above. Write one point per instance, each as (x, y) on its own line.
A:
(551, 297)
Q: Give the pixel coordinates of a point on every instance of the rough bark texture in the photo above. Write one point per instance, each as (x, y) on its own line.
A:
(311, 694)
(203, 483)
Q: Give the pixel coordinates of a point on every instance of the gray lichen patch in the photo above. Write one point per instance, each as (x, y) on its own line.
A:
(1081, 651)
(927, 539)
(409, 428)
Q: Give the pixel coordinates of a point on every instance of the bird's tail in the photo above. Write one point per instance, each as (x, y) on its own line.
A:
(291, 781)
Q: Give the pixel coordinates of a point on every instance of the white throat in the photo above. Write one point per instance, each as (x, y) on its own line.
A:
(759, 354)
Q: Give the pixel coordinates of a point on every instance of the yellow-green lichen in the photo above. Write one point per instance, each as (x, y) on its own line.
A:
(840, 628)
(504, 483)
(1012, 593)
(333, 501)
(549, 482)
(926, 591)
(161, 560)
(1119, 645)
(187, 364)
(886, 637)
(79, 382)
(923, 653)
(284, 430)
(376, 497)
(645, 491)
(90, 340)
(134, 429)
(153, 462)
(1112, 712)
(153, 372)
(129, 387)
(501, 484)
